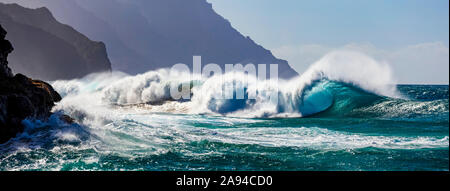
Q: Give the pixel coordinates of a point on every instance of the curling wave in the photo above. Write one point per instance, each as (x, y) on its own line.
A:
(319, 88)
(336, 111)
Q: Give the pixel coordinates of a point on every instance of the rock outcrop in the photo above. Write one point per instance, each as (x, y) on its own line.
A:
(20, 96)
(47, 49)
(5, 49)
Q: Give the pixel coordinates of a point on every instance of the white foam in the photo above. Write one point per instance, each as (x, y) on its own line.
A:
(154, 86)
(319, 138)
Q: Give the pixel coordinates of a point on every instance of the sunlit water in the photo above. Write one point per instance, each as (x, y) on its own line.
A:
(327, 122)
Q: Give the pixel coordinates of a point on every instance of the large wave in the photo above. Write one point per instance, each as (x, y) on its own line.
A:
(124, 118)
(313, 92)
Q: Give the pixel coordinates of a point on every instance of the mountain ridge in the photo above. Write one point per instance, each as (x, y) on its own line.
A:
(47, 49)
(164, 32)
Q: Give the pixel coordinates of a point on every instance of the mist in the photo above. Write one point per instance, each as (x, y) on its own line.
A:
(142, 35)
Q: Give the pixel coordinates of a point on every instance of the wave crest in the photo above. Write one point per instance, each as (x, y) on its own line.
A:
(305, 95)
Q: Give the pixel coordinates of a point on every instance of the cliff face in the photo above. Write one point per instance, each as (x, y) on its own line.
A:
(5, 49)
(47, 49)
(122, 57)
(160, 33)
(196, 29)
(20, 96)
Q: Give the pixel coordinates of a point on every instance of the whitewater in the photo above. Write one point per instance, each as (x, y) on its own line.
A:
(346, 112)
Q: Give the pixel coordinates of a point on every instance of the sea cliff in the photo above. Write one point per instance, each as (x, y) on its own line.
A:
(20, 97)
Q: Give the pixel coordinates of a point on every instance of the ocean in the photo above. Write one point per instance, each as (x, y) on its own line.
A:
(321, 121)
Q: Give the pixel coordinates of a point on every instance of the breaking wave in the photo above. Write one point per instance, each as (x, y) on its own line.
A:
(337, 107)
(318, 89)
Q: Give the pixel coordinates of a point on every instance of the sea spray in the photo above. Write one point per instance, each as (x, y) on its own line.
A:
(337, 116)
(249, 96)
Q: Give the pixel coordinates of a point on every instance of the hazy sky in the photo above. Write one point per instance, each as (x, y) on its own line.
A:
(411, 35)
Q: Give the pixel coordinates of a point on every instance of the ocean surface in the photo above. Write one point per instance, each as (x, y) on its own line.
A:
(321, 121)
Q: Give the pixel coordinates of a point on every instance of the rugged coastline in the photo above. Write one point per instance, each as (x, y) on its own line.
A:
(20, 97)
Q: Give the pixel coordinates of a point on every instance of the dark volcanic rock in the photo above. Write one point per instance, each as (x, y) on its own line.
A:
(47, 49)
(20, 96)
(5, 49)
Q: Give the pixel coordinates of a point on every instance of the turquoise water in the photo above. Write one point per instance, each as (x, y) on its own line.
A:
(356, 130)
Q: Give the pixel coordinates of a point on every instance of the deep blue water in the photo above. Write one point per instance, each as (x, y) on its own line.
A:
(359, 131)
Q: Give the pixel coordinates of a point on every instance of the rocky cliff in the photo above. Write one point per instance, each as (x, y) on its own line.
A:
(47, 49)
(20, 96)
(150, 34)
